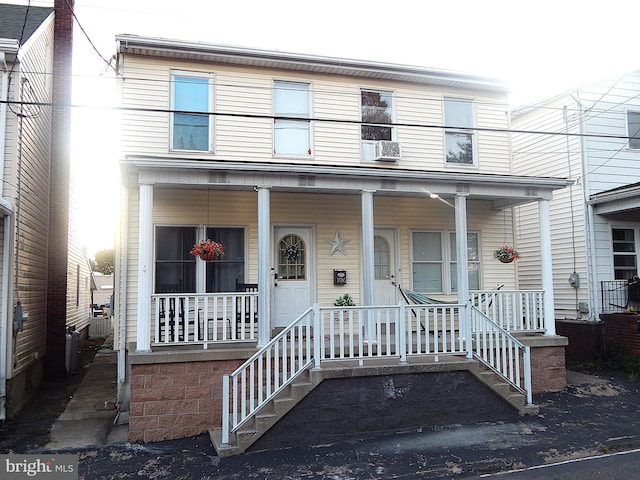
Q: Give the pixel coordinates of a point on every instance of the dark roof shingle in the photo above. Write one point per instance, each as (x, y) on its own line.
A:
(12, 18)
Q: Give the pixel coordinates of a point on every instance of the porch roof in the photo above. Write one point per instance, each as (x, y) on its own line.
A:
(620, 202)
(502, 190)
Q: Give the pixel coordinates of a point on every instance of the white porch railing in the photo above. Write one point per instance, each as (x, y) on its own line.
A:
(331, 333)
(501, 352)
(179, 318)
(513, 310)
(200, 319)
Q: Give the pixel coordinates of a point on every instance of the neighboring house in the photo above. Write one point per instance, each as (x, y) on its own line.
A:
(592, 137)
(104, 289)
(40, 254)
(26, 59)
(320, 176)
(80, 281)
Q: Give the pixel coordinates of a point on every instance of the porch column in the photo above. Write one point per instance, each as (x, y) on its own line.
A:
(368, 265)
(546, 267)
(264, 273)
(461, 248)
(462, 267)
(145, 267)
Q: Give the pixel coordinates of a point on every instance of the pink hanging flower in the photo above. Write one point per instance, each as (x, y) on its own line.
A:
(207, 249)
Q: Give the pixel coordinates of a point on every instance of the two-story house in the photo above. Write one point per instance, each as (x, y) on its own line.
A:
(319, 177)
(588, 134)
(26, 55)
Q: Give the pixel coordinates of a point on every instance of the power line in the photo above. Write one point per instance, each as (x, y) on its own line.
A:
(321, 120)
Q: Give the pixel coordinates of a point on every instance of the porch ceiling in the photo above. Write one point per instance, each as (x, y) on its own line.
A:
(502, 190)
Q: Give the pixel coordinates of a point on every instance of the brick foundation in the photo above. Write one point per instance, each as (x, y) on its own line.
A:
(176, 400)
(621, 333)
(586, 340)
(548, 368)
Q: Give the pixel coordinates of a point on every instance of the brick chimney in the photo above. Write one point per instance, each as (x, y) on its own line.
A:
(54, 365)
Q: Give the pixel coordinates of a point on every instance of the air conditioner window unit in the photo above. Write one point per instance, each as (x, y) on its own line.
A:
(385, 151)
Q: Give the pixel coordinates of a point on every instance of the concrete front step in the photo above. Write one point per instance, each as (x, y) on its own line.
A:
(289, 397)
(517, 399)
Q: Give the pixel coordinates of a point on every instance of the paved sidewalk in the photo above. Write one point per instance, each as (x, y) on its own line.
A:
(89, 418)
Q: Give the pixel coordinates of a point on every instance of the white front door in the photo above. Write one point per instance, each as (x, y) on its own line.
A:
(384, 288)
(294, 273)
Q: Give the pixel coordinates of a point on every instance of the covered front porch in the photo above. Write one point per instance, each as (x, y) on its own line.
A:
(401, 208)
(193, 333)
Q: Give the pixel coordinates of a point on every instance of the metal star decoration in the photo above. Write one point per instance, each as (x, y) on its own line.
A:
(337, 244)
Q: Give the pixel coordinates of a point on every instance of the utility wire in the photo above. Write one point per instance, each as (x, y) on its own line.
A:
(108, 62)
(322, 120)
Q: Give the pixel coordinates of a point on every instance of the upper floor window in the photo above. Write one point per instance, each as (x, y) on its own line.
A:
(291, 136)
(377, 114)
(459, 140)
(633, 129)
(191, 121)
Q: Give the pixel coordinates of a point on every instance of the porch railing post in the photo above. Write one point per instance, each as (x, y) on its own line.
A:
(401, 333)
(527, 374)
(546, 268)
(468, 333)
(317, 336)
(225, 410)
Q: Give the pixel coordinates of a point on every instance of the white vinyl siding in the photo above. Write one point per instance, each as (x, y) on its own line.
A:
(26, 186)
(554, 156)
(242, 90)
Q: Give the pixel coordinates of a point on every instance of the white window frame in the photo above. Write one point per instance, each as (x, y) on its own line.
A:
(630, 133)
(446, 259)
(635, 253)
(367, 146)
(199, 266)
(466, 130)
(210, 105)
(303, 119)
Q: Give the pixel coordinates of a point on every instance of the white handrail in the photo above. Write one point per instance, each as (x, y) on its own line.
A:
(268, 371)
(368, 332)
(501, 352)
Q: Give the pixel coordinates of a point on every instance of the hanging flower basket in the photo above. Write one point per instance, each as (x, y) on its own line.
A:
(506, 254)
(207, 250)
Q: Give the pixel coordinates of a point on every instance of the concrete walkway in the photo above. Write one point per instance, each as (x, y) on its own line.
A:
(90, 416)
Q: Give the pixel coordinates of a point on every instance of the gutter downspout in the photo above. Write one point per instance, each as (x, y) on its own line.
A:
(594, 301)
(5, 322)
(121, 311)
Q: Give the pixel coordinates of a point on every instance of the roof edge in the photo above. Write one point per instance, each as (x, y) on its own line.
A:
(126, 43)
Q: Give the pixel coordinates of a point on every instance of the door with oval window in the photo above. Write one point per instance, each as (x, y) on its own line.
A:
(293, 265)
(384, 288)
